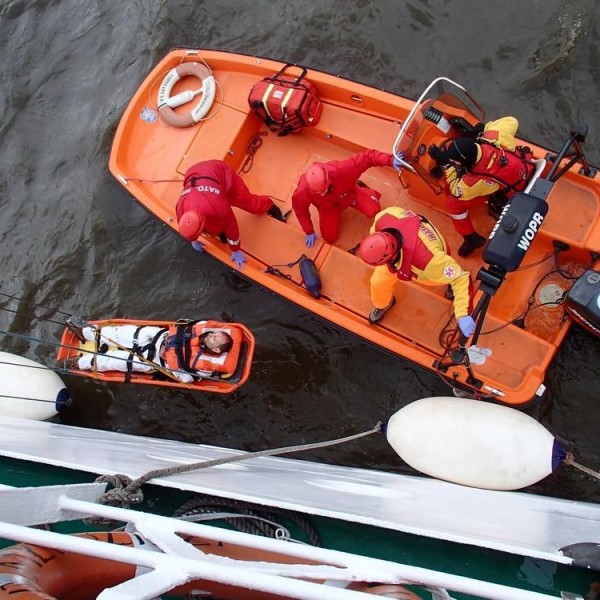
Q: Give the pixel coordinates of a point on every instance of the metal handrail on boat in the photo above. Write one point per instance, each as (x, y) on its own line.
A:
(395, 151)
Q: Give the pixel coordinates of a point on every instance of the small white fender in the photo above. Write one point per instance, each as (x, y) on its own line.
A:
(28, 389)
(474, 443)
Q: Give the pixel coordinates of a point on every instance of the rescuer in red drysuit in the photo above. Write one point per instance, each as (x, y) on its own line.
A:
(210, 189)
(334, 186)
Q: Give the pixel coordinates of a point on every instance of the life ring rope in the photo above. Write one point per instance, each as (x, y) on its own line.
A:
(207, 92)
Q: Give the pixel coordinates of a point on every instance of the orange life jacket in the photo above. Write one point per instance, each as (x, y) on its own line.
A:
(183, 351)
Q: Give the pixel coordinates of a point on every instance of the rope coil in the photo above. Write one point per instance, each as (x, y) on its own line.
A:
(253, 146)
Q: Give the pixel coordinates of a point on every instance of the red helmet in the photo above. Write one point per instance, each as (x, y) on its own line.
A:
(317, 179)
(191, 225)
(378, 248)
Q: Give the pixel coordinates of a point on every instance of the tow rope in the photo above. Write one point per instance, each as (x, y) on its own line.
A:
(127, 491)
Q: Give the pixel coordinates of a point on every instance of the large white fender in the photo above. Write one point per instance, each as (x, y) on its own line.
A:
(474, 443)
(28, 389)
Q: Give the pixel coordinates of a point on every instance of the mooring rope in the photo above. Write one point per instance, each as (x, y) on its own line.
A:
(570, 460)
(246, 516)
(63, 370)
(38, 305)
(127, 491)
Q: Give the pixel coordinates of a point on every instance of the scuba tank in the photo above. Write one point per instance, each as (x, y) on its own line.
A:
(310, 276)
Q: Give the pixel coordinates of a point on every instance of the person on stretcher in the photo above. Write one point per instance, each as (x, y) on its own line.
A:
(187, 350)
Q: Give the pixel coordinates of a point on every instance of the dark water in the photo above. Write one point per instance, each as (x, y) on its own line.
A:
(72, 239)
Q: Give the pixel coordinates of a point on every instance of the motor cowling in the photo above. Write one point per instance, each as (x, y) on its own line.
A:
(515, 231)
(582, 302)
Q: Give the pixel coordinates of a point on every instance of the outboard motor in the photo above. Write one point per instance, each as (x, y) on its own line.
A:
(515, 231)
(582, 302)
(508, 243)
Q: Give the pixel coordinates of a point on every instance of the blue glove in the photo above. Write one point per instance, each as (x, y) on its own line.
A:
(198, 246)
(310, 240)
(466, 325)
(239, 258)
(396, 162)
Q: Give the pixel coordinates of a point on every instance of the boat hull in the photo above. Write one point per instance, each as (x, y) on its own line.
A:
(149, 158)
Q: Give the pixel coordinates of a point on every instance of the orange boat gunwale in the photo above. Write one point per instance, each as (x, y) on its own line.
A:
(376, 117)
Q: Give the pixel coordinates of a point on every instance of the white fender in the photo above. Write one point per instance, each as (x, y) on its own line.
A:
(473, 443)
(28, 389)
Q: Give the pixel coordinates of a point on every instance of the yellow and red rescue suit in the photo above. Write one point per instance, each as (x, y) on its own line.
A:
(499, 166)
(183, 349)
(423, 258)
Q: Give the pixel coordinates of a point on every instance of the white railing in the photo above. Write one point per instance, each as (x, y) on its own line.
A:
(174, 562)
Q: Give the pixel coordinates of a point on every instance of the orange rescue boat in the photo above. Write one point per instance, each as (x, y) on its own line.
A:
(524, 306)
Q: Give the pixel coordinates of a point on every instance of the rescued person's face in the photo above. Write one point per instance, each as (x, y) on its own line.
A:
(214, 340)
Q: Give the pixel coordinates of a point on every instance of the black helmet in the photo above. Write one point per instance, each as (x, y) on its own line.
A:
(463, 150)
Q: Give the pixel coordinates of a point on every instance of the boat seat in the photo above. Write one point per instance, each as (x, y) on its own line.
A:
(358, 130)
(278, 244)
(420, 314)
(213, 140)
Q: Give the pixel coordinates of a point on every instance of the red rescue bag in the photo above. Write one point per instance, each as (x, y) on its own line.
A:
(285, 103)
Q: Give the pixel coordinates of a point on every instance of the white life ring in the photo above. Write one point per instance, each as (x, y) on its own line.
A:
(166, 103)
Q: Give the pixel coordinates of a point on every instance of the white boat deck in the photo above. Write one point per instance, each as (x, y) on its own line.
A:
(514, 522)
